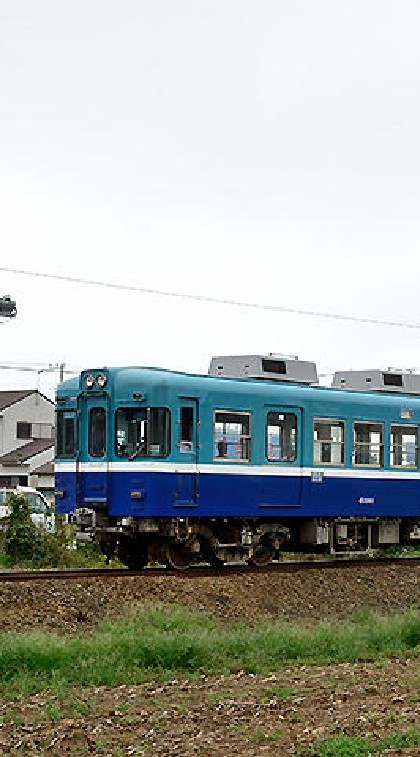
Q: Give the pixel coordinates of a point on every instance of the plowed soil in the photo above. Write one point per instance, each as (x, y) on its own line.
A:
(240, 715)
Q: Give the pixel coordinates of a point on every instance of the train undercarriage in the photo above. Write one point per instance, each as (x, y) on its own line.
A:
(180, 542)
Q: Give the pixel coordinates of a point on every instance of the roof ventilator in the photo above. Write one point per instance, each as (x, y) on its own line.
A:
(392, 380)
(272, 367)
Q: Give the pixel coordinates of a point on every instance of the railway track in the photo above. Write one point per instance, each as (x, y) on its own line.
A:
(201, 571)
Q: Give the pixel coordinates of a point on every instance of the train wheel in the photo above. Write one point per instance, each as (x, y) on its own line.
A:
(215, 562)
(132, 555)
(107, 549)
(262, 556)
(178, 557)
(207, 554)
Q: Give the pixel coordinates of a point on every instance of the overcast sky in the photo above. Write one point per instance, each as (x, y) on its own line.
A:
(265, 151)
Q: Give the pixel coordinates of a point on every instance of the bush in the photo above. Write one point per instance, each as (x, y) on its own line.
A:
(22, 544)
(27, 545)
(23, 539)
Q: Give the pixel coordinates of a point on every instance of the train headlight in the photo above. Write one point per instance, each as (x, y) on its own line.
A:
(89, 381)
(101, 380)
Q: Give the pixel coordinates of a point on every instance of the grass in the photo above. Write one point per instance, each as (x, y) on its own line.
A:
(165, 642)
(361, 746)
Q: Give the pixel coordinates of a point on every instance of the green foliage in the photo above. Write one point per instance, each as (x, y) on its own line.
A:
(24, 545)
(361, 746)
(162, 642)
(262, 735)
(87, 555)
(22, 539)
(399, 550)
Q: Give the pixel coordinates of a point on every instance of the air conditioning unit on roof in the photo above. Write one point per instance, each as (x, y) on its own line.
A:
(378, 381)
(270, 367)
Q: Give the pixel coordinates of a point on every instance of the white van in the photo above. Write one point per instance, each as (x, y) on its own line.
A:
(42, 514)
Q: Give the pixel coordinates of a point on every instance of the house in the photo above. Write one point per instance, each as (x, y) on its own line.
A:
(27, 440)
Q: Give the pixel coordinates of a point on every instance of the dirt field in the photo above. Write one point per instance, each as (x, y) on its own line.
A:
(240, 715)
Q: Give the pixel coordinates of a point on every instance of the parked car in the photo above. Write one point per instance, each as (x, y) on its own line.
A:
(42, 514)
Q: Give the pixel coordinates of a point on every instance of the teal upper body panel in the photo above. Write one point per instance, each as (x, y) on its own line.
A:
(124, 382)
(164, 388)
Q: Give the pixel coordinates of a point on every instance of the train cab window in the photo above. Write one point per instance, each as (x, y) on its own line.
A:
(281, 431)
(328, 442)
(65, 438)
(97, 432)
(368, 444)
(142, 432)
(186, 429)
(404, 446)
(232, 440)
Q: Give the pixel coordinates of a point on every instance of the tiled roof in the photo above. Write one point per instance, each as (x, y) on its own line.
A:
(9, 398)
(44, 470)
(24, 453)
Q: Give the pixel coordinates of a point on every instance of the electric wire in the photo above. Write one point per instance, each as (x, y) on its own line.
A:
(213, 300)
(7, 365)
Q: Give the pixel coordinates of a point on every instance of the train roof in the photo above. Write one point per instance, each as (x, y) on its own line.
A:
(68, 387)
(125, 379)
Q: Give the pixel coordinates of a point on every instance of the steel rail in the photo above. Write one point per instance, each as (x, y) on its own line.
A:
(203, 571)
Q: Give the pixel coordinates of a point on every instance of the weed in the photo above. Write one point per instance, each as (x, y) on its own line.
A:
(100, 743)
(53, 712)
(360, 746)
(279, 692)
(270, 736)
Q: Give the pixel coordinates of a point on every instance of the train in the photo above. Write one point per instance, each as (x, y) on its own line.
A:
(248, 461)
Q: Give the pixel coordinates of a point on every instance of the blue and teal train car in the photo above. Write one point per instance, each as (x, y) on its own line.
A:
(163, 465)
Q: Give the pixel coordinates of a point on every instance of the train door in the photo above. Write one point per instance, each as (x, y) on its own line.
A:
(187, 471)
(92, 465)
(66, 459)
(281, 484)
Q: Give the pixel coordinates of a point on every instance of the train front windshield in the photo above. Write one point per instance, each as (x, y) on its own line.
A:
(142, 432)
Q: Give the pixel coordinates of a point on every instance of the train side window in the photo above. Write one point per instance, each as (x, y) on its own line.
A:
(368, 444)
(97, 432)
(186, 430)
(328, 442)
(281, 433)
(142, 432)
(65, 435)
(232, 439)
(404, 446)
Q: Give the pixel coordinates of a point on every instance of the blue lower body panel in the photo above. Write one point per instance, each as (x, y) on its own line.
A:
(169, 494)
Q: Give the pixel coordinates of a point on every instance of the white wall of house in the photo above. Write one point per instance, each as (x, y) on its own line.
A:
(32, 409)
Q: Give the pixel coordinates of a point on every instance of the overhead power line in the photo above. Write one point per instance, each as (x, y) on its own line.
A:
(32, 369)
(213, 300)
(39, 368)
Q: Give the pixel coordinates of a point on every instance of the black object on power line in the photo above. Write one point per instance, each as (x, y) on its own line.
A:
(8, 307)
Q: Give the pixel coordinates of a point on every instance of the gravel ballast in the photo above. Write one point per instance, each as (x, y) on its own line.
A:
(300, 596)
